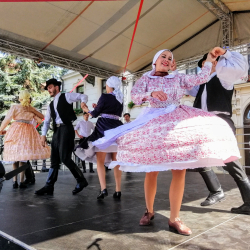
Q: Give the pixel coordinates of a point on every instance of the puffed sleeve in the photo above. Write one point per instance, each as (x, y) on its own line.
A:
(139, 92)
(7, 118)
(189, 81)
(100, 106)
(230, 68)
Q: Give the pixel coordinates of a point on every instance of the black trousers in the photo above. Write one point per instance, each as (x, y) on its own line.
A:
(62, 146)
(90, 166)
(234, 168)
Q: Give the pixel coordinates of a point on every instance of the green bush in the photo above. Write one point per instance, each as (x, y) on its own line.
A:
(131, 105)
(78, 111)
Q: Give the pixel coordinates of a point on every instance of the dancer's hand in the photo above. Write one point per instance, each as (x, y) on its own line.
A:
(211, 58)
(217, 51)
(94, 105)
(160, 95)
(173, 65)
(85, 109)
(83, 105)
(43, 140)
(80, 136)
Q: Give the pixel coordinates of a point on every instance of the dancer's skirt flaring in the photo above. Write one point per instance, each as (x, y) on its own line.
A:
(179, 138)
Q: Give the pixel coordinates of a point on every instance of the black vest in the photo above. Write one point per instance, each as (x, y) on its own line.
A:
(218, 98)
(65, 111)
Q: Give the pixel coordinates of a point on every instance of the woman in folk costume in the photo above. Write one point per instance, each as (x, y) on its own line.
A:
(181, 137)
(22, 141)
(109, 107)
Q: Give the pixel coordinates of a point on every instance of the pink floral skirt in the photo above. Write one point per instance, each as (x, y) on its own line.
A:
(184, 138)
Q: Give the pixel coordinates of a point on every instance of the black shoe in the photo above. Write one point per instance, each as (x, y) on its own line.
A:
(15, 185)
(243, 209)
(30, 181)
(45, 169)
(80, 186)
(117, 195)
(102, 194)
(22, 185)
(92, 171)
(107, 168)
(213, 198)
(45, 190)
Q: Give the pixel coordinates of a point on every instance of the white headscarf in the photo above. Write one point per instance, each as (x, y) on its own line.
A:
(151, 72)
(158, 54)
(116, 83)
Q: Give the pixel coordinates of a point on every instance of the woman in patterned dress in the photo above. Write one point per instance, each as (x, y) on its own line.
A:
(109, 110)
(181, 137)
(22, 141)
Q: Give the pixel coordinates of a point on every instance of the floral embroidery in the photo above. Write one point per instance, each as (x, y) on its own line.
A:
(183, 135)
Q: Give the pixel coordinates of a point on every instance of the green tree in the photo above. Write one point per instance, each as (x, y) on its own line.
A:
(17, 73)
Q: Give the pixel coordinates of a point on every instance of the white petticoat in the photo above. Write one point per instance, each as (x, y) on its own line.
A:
(90, 153)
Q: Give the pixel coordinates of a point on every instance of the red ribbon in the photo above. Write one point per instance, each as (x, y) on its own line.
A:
(137, 20)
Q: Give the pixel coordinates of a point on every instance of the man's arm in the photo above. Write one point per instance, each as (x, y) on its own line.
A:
(230, 68)
(80, 136)
(76, 128)
(76, 97)
(45, 127)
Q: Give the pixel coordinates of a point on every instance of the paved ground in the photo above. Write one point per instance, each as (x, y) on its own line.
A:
(64, 221)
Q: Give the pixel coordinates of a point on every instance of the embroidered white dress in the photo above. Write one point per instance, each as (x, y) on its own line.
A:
(169, 135)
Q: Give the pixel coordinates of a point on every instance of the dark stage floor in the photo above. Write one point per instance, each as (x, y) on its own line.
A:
(64, 221)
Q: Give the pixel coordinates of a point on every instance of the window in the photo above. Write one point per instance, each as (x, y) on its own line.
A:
(191, 71)
(247, 115)
(104, 86)
(79, 89)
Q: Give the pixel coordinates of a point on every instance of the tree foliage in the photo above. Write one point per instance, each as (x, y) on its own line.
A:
(17, 73)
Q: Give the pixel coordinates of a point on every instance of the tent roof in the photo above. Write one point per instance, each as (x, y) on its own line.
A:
(99, 33)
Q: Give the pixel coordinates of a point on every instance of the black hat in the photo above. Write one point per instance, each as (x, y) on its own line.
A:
(204, 59)
(52, 81)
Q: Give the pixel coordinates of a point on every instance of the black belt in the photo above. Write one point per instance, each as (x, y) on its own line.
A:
(60, 124)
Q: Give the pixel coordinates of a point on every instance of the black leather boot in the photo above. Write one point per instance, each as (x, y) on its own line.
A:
(216, 193)
(81, 181)
(244, 187)
(91, 170)
(49, 186)
(29, 174)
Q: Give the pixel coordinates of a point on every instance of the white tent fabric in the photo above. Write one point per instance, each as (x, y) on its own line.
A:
(242, 28)
(99, 33)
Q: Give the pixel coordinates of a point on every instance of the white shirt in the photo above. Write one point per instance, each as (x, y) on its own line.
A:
(70, 98)
(230, 68)
(126, 122)
(84, 128)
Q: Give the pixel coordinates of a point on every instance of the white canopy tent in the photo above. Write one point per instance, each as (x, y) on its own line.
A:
(94, 36)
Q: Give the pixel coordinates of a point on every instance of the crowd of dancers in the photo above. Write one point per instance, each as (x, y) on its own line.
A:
(181, 137)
